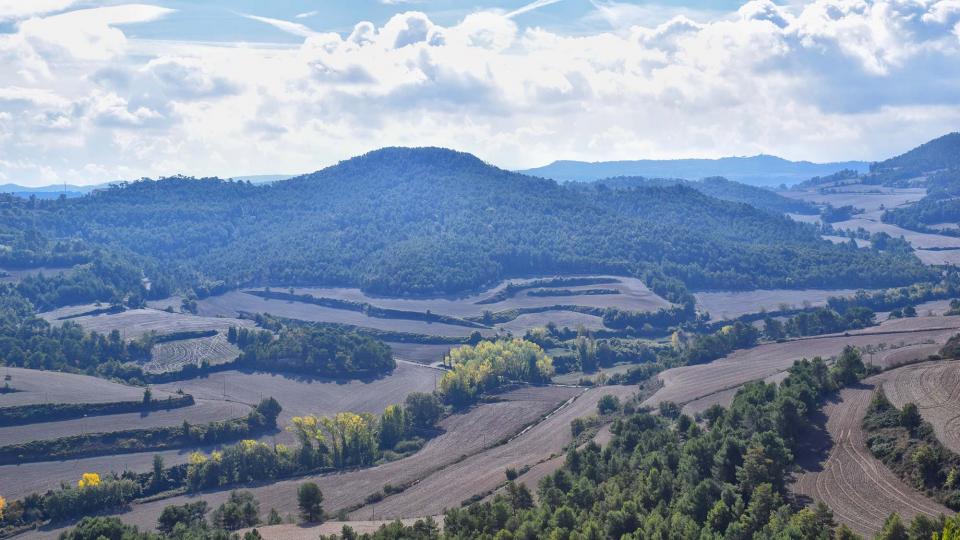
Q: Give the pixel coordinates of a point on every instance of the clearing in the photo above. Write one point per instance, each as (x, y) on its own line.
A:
(733, 304)
(35, 386)
(134, 323)
(841, 472)
(935, 388)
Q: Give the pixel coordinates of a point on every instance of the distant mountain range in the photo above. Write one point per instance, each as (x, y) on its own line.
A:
(54, 191)
(761, 170)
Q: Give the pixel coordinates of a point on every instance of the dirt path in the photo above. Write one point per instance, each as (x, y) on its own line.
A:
(841, 472)
(483, 472)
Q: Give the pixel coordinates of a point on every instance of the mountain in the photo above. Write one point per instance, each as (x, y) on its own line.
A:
(720, 188)
(761, 170)
(942, 153)
(436, 221)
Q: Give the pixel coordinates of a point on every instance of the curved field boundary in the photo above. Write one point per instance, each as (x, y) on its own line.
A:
(935, 388)
(861, 491)
(690, 383)
(169, 356)
(465, 434)
(36, 387)
(482, 473)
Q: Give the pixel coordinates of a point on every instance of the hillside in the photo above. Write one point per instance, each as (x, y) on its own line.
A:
(937, 155)
(720, 188)
(761, 170)
(429, 221)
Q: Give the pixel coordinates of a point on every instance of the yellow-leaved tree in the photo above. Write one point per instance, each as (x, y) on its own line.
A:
(89, 479)
(3, 506)
(490, 364)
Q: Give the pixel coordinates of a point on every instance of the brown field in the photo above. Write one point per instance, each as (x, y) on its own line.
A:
(683, 385)
(733, 304)
(862, 196)
(174, 355)
(634, 295)
(290, 531)
(19, 481)
(300, 395)
(938, 258)
(841, 472)
(935, 388)
(723, 398)
(419, 353)
(201, 413)
(465, 434)
(483, 472)
(845, 239)
(568, 319)
(35, 386)
(233, 302)
(16, 275)
(134, 323)
(917, 239)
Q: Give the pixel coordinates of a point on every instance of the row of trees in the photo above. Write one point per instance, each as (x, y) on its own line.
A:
(317, 350)
(664, 478)
(489, 365)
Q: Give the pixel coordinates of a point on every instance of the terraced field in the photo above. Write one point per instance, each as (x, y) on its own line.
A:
(134, 323)
(16, 275)
(935, 388)
(174, 355)
(464, 434)
(299, 395)
(733, 304)
(692, 383)
(202, 412)
(866, 197)
(631, 294)
(483, 472)
(35, 386)
(841, 472)
(234, 302)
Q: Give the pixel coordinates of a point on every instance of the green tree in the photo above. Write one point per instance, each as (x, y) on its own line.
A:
(310, 502)
(893, 529)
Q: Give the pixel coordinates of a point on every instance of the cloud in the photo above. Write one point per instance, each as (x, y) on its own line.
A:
(289, 27)
(536, 4)
(306, 14)
(86, 34)
(830, 79)
(11, 10)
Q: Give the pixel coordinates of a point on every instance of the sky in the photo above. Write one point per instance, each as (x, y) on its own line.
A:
(101, 91)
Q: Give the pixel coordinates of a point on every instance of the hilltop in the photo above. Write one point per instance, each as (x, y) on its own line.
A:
(436, 221)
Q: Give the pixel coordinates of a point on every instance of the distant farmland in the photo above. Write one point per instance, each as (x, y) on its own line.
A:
(733, 304)
(134, 323)
(35, 386)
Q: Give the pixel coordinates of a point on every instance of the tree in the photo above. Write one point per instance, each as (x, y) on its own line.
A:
(147, 396)
(88, 480)
(190, 514)
(893, 529)
(392, 426)
(241, 510)
(310, 501)
(423, 410)
(608, 403)
(157, 480)
(910, 416)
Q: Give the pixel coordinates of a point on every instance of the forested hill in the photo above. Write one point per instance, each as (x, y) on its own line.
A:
(937, 155)
(759, 170)
(718, 187)
(430, 220)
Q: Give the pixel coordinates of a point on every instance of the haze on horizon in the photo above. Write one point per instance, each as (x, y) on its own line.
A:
(100, 91)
